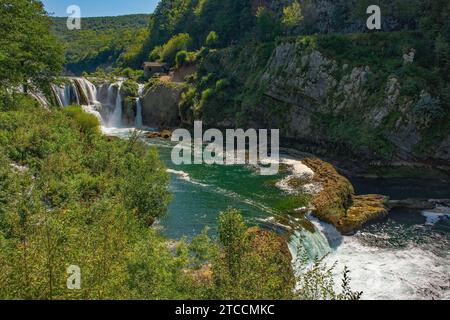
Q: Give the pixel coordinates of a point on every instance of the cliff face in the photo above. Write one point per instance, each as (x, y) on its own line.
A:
(319, 89)
(160, 105)
(366, 108)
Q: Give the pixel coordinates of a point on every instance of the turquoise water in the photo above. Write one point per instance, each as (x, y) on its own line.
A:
(406, 256)
(201, 192)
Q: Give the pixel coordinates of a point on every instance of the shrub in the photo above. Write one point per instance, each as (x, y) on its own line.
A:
(222, 84)
(173, 46)
(129, 88)
(428, 109)
(86, 122)
(181, 58)
(212, 40)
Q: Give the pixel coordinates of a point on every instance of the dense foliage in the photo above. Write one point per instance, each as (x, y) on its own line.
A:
(228, 82)
(102, 41)
(236, 20)
(29, 54)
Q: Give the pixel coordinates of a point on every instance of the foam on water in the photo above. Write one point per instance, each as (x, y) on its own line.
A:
(436, 215)
(186, 177)
(411, 272)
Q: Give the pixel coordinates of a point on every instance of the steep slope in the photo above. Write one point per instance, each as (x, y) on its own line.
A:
(354, 95)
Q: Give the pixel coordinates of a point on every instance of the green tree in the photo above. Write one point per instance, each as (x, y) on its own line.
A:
(267, 24)
(181, 58)
(292, 15)
(246, 256)
(232, 230)
(173, 46)
(212, 40)
(29, 54)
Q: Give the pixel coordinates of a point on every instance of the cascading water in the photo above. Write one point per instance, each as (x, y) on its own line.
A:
(60, 93)
(104, 101)
(66, 97)
(139, 121)
(40, 98)
(78, 91)
(390, 260)
(115, 120)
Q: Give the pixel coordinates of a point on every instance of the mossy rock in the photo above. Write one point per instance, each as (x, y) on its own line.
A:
(129, 88)
(337, 203)
(364, 208)
(337, 192)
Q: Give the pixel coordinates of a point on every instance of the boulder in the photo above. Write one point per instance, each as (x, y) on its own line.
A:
(363, 209)
(165, 134)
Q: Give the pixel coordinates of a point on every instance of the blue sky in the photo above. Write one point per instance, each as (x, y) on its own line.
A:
(98, 8)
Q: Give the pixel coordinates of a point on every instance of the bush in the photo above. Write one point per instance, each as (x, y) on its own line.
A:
(129, 88)
(222, 84)
(87, 123)
(428, 109)
(173, 46)
(212, 40)
(181, 58)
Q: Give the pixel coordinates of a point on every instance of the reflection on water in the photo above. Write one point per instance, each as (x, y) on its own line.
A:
(423, 184)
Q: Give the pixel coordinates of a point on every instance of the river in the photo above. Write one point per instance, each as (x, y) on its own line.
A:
(404, 256)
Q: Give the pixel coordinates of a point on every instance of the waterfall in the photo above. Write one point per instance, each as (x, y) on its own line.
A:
(40, 98)
(104, 101)
(66, 95)
(59, 93)
(115, 120)
(379, 269)
(139, 121)
(91, 110)
(110, 97)
(78, 91)
(307, 245)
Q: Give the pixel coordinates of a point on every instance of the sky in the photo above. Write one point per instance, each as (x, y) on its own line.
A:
(98, 8)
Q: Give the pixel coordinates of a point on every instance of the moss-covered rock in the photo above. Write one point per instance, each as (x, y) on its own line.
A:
(165, 134)
(337, 203)
(129, 88)
(337, 192)
(363, 209)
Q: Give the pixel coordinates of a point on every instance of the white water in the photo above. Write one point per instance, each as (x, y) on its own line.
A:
(411, 272)
(106, 98)
(40, 98)
(115, 121)
(438, 214)
(60, 93)
(139, 120)
(69, 93)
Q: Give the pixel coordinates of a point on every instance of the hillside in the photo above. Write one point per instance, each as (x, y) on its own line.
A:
(313, 69)
(102, 41)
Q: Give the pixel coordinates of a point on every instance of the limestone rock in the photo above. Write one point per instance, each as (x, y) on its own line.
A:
(337, 203)
(160, 105)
